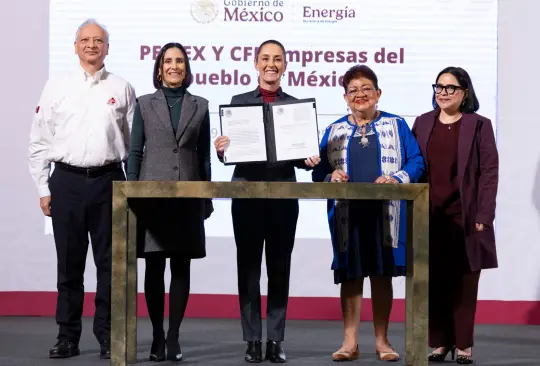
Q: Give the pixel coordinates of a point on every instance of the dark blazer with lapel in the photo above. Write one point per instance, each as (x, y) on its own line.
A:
(478, 174)
(275, 172)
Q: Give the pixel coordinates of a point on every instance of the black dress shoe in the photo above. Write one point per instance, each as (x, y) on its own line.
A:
(174, 353)
(275, 353)
(64, 349)
(105, 350)
(253, 352)
(157, 351)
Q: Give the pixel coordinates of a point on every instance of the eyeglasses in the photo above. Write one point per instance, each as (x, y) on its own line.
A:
(450, 89)
(366, 90)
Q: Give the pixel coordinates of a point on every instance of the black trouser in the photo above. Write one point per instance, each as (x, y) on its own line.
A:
(81, 203)
(255, 223)
(452, 307)
(154, 291)
(453, 287)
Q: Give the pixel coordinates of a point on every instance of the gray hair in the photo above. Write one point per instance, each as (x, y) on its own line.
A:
(92, 21)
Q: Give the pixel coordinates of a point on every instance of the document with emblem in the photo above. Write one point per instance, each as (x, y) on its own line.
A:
(294, 130)
(244, 126)
(270, 132)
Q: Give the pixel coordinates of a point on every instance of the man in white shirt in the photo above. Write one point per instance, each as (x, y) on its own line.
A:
(82, 124)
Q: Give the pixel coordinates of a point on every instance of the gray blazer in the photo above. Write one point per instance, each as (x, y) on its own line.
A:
(266, 172)
(174, 226)
(177, 158)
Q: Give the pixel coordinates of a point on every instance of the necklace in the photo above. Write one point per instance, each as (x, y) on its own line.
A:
(364, 140)
(449, 124)
(170, 106)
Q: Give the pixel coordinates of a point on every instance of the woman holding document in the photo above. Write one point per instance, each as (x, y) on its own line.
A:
(368, 237)
(259, 221)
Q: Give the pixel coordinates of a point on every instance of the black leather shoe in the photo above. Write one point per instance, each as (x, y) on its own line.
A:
(157, 351)
(253, 352)
(275, 353)
(174, 353)
(64, 349)
(105, 350)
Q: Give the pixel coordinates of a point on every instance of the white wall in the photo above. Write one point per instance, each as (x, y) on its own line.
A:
(518, 136)
(23, 64)
(28, 257)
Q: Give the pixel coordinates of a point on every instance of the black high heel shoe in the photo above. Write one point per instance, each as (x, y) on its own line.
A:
(464, 360)
(174, 353)
(440, 357)
(157, 351)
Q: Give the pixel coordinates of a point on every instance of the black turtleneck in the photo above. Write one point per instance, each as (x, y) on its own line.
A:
(175, 98)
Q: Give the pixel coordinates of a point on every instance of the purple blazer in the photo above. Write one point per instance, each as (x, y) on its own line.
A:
(478, 174)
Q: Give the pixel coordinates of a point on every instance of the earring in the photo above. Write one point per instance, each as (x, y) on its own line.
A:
(159, 77)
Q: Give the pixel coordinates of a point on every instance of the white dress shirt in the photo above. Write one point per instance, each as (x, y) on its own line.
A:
(81, 120)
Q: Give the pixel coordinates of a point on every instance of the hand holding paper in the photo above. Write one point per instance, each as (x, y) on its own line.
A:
(274, 132)
(243, 127)
(312, 161)
(221, 144)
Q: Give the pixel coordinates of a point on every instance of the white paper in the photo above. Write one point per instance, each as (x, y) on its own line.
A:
(295, 131)
(244, 126)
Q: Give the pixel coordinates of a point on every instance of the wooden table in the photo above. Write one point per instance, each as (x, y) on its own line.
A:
(124, 249)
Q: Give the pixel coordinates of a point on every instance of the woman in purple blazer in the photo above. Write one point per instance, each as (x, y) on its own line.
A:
(462, 166)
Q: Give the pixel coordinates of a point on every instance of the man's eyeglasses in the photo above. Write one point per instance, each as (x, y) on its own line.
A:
(450, 89)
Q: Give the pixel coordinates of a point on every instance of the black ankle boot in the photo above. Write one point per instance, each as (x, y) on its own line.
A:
(275, 352)
(253, 352)
(174, 353)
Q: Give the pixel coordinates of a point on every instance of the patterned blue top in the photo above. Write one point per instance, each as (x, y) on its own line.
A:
(399, 157)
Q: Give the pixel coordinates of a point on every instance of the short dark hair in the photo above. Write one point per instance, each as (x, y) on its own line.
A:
(159, 62)
(471, 103)
(271, 41)
(360, 71)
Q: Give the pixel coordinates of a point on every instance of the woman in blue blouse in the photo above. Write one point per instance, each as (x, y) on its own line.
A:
(368, 237)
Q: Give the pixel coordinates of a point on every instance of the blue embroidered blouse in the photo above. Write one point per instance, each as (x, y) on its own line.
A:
(400, 157)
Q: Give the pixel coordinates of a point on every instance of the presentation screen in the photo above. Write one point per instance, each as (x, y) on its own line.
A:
(405, 42)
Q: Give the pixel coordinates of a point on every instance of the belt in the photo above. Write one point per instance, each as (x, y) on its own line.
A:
(89, 171)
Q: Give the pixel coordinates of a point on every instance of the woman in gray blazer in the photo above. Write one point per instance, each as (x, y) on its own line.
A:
(170, 141)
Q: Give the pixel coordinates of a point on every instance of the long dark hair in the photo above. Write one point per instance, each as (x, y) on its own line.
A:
(159, 62)
(470, 102)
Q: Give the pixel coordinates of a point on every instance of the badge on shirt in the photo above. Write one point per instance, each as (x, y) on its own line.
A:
(111, 101)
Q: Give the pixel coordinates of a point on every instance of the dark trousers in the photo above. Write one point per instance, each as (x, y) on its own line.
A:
(258, 222)
(81, 203)
(453, 288)
(154, 291)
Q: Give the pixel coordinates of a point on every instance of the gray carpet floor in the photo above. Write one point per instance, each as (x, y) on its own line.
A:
(25, 341)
